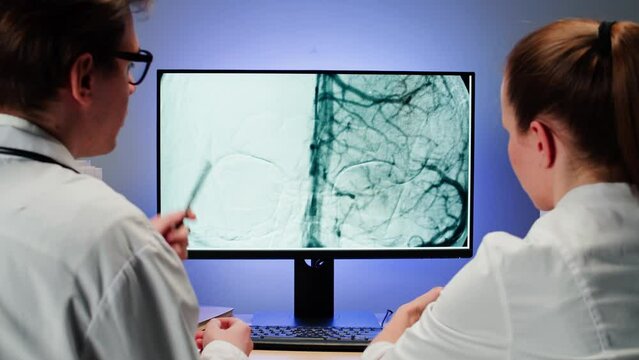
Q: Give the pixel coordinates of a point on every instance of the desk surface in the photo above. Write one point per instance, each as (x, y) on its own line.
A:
(303, 355)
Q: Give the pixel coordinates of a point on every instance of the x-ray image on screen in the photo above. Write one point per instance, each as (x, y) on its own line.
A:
(318, 160)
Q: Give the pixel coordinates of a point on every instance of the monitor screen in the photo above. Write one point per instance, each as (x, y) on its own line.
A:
(301, 164)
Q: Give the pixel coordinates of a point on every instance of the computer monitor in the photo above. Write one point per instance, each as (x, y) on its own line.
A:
(318, 165)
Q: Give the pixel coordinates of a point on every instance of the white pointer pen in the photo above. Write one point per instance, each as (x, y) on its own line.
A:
(196, 189)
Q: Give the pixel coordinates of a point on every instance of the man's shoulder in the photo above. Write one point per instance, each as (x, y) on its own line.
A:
(93, 218)
(99, 198)
(110, 233)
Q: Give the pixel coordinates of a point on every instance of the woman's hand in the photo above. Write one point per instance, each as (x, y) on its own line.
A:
(407, 315)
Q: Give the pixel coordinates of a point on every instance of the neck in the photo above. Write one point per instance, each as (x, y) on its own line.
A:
(575, 176)
(53, 120)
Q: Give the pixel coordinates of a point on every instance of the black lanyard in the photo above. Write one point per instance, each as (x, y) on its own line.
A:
(33, 156)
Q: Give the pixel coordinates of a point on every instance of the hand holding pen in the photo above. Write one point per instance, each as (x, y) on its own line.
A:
(172, 227)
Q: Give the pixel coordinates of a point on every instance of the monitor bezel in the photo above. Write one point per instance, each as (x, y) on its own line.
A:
(384, 253)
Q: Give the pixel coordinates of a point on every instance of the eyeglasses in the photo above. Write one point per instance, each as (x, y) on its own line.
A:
(136, 72)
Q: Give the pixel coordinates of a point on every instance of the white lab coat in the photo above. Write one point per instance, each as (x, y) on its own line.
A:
(568, 290)
(83, 273)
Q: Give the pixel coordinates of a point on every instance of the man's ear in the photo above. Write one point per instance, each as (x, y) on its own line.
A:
(82, 78)
(545, 143)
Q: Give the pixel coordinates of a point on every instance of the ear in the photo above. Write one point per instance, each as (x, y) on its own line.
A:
(545, 143)
(81, 78)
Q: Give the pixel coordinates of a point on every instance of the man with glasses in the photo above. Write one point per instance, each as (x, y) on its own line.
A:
(84, 274)
(136, 72)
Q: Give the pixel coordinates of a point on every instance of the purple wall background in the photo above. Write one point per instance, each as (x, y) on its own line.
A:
(456, 35)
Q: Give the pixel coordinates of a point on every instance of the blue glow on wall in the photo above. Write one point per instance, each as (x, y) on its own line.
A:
(460, 35)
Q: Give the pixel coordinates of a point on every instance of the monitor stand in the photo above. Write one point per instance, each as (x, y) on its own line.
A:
(314, 301)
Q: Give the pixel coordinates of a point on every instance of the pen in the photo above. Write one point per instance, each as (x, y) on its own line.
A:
(196, 189)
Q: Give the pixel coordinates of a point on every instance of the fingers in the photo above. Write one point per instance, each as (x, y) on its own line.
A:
(179, 240)
(410, 312)
(199, 341)
(228, 322)
(176, 234)
(190, 214)
(418, 305)
(231, 330)
(213, 324)
(179, 235)
(224, 323)
(429, 297)
(181, 251)
(166, 222)
(407, 315)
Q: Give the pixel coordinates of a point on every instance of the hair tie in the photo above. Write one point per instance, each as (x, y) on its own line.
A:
(604, 41)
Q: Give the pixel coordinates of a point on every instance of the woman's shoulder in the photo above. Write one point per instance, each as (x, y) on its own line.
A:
(517, 260)
(588, 216)
(500, 244)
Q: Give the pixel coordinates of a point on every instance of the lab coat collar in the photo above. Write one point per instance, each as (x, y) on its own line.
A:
(599, 193)
(21, 134)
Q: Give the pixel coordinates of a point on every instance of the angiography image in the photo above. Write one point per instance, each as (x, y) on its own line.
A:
(318, 160)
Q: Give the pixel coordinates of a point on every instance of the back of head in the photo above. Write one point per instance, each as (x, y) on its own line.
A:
(40, 39)
(585, 74)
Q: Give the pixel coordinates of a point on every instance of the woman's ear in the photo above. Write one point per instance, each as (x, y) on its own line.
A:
(544, 142)
(81, 78)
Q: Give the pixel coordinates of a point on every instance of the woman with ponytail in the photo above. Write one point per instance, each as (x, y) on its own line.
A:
(569, 289)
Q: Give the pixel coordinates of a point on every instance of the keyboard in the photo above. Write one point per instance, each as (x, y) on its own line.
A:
(310, 338)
